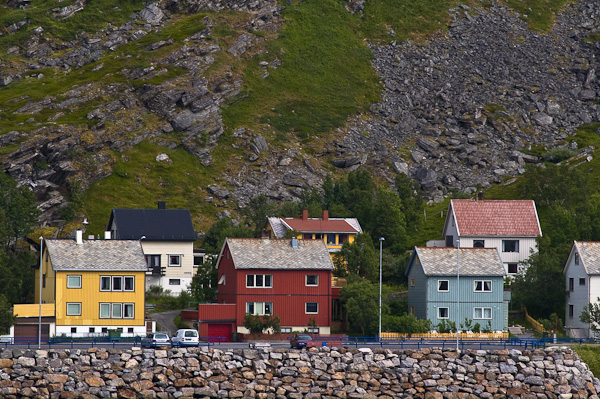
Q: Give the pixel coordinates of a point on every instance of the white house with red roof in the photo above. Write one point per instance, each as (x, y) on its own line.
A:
(511, 226)
(334, 231)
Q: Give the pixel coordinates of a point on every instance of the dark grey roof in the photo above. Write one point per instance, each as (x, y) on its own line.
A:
(589, 253)
(470, 261)
(260, 253)
(155, 224)
(109, 255)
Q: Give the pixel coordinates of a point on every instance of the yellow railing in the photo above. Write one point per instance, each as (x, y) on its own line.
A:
(448, 336)
(534, 323)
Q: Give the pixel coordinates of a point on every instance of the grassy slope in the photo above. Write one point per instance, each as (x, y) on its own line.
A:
(591, 356)
(325, 76)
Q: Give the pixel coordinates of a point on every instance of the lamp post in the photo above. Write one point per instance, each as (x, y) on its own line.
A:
(380, 273)
(457, 289)
(40, 299)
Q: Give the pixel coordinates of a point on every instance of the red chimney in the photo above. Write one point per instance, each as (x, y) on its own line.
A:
(305, 214)
(325, 215)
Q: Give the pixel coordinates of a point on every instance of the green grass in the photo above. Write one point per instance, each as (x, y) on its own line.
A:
(591, 356)
(325, 74)
(539, 14)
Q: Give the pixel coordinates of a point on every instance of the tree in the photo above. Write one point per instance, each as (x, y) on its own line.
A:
(18, 213)
(361, 300)
(257, 212)
(591, 315)
(409, 191)
(358, 258)
(204, 284)
(222, 228)
(7, 319)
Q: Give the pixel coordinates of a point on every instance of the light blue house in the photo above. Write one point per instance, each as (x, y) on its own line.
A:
(456, 284)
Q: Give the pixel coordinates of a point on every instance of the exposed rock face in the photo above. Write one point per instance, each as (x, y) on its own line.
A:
(314, 374)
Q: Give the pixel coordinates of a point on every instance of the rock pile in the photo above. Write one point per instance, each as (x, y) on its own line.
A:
(320, 373)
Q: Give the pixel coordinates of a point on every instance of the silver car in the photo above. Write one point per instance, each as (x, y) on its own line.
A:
(155, 340)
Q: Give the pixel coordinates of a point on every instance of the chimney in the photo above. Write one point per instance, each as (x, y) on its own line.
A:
(162, 205)
(107, 235)
(480, 196)
(294, 242)
(79, 237)
(305, 214)
(325, 215)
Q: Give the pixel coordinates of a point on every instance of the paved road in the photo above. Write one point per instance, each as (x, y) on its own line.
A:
(164, 321)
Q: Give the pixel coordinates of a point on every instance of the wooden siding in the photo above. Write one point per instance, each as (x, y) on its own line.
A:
(48, 290)
(167, 248)
(216, 312)
(527, 245)
(33, 310)
(417, 294)
(90, 297)
(581, 295)
(469, 299)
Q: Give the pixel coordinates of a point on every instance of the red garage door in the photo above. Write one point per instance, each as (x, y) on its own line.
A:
(219, 330)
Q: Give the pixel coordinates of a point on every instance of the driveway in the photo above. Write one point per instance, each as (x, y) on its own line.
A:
(164, 321)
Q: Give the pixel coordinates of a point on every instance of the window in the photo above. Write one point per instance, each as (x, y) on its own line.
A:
(331, 239)
(175, 260)
(73, 281)
(478, 243)
(117, 311)
(342, 238)
(443, 313)
(117, 283)
(483, 285)
(412, 310)
(73, 308)
(44, 281)
(570, 311)
(513, 268)
(129, 283)
(259, 281)
(482, 313)
(443, 285)
(105, 283)
(128, 311)
(449, 241)
(313, 330)
(259, 308)
(73, 330)
(576, 258)
(510, 245)
(104, 330)
(307, 236)
(130, 330)
(92, 330)
(312, 307)
(312, 280)
(286, 330)
(174, 281)
(571, 284)
(105, 310)
(153, 261)
(318, 236)
(412, 282)
(582, 281)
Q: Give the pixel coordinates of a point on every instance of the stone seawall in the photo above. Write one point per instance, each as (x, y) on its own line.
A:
(319, 373)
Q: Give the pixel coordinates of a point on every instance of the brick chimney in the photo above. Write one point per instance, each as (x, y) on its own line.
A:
(325, 215)
(305, 214)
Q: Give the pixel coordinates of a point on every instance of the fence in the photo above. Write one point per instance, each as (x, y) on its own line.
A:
(446, 336)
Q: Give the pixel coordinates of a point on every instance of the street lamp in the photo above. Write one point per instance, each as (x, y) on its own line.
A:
(40, 319)
(380, 273)
(457, 289)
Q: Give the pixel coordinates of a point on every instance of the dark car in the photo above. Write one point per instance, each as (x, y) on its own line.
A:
(300, 341)
(154, 340)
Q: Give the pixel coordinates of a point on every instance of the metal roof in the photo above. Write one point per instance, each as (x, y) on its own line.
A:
(280, 226)
(109, 255)
(154, 224)
(589, 254)
(469, 261)
(262, 253)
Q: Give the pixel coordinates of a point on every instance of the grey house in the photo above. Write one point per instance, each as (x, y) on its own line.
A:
(582, 280)
(436, 293)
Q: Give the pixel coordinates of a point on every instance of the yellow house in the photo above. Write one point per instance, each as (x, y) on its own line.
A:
(95, 286)
(334, 231)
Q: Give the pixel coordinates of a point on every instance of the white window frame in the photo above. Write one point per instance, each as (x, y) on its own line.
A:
(129, 305)
(508, 268)
(74, 276)
(439, 315)
(116, 307)
(517, 246)
(306, 307)
(120, 280)
(109, 278)
(78, 313)
(316, 279)
(479, 241)
(132, 278)
(108, 308)
(483, 311)
(253, 278)
(483, 286)
(447, 285)
(177, 280)
(172, 257)
(252, 308)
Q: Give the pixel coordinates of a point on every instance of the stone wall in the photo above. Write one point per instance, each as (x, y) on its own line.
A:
(317, 373)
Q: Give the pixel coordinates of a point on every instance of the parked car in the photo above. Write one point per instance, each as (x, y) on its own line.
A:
(300, 341)
(157, 339)
(186, 337)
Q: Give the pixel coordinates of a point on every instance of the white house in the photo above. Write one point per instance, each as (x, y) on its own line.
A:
(582, 280)
(167, 237)
(511, 226)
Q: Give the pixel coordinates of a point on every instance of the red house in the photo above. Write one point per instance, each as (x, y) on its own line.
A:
(290, 278)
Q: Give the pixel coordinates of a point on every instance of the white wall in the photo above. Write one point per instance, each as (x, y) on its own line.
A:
(580, 295)
(184, 273)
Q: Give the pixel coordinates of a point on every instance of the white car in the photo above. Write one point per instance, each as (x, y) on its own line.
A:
(186, 337)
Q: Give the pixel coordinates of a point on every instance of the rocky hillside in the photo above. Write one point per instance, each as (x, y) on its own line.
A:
(462, 109)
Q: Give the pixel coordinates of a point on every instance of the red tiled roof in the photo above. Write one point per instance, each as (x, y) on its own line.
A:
(320, 225)
(496, 218)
